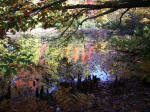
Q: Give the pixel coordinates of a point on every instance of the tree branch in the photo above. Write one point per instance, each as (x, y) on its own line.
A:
(93, 17)
(73, 19)
(101, 14)
(35, 11)
(123, 15)
(110, 4)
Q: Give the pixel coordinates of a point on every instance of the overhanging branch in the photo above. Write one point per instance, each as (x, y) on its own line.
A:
(101, 14)
(119, 5)
(109, 4)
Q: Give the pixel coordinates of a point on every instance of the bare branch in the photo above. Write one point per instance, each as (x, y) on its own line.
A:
(101, 14)
(123, 15)
(73, 19)
(93, 17)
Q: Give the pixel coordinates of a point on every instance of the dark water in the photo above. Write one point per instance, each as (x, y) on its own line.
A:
(86, 55)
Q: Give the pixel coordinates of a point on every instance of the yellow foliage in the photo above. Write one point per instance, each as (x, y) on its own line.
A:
(104, 18)
(145, 20)
(101, 47)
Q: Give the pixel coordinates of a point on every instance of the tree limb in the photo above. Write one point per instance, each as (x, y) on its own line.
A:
(73, 19)
(110, 4)
(101, 14)
(123, 15)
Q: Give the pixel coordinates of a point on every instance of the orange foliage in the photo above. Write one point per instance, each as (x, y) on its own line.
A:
(28, 77)
(80, 53)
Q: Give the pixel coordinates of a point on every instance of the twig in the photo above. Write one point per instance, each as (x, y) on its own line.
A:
(123, 15)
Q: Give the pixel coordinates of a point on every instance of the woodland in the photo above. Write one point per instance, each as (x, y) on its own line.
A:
(74, 55)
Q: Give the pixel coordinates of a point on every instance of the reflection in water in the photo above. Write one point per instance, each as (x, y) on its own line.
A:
(55, 88)
(98, 72)
(82, 52)
(86, 54)
(101, 74)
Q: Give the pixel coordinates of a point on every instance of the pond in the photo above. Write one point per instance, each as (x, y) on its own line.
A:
(87, 54)
(93, 62)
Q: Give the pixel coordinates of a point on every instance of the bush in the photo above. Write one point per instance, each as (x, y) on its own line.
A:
(136, 44)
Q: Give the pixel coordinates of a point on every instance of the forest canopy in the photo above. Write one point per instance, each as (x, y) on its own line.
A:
(21, 15)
